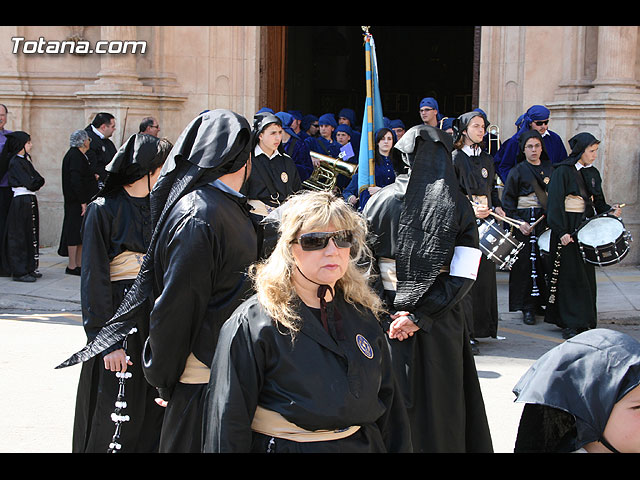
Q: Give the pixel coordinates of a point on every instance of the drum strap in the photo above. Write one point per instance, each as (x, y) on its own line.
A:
(584, 193)
(534, 180)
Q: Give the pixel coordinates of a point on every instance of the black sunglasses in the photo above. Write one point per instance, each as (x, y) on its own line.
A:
(319, 240)
(541, 122)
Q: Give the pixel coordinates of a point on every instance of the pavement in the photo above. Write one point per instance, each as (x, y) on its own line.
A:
(618, 291)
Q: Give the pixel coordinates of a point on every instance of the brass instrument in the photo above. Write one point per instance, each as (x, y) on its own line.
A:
(325, 175)
(493, 130)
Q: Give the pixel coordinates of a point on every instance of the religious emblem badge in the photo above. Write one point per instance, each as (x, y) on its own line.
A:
(484, 172)
(546, 180)
(364, 346)
(284, 177)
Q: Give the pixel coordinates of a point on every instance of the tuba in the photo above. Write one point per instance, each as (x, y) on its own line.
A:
(325, 175)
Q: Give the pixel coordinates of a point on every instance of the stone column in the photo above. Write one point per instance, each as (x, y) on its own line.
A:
(615, 78)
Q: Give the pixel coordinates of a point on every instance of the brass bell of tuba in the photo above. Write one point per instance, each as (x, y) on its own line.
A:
(325, 175)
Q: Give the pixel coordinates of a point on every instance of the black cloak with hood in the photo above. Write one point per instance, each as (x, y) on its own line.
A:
(418, 221)
(215, 143)
(570, 391)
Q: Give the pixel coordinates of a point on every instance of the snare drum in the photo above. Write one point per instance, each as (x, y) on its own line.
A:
(497, 245)
(603, 240)
(544, 242)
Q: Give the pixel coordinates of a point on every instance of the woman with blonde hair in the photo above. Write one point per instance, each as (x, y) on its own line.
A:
(302, 365)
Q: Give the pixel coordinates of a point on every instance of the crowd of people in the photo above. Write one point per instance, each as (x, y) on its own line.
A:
(230, 307)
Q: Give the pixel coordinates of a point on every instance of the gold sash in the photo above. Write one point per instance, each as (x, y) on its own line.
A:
(574, 204)
(273, 424)
(528, 201)
(125, 266)
(195, 371)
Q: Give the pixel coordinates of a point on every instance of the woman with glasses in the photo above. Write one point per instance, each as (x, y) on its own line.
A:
(525, 199)
(303, 366)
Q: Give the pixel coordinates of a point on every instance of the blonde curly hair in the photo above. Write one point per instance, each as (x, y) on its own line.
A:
(272, 277)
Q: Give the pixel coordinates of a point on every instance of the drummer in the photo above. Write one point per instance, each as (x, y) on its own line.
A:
(525, 199)
(476, 173)
(574, 195)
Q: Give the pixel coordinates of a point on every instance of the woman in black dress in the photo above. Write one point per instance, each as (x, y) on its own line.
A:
(21, 239)
(79, 186)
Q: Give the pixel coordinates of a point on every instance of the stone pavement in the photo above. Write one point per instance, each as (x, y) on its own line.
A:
(618, 291)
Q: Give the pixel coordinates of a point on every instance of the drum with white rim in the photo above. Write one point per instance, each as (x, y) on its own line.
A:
(498, 245)
(603, 240)
(544, 242)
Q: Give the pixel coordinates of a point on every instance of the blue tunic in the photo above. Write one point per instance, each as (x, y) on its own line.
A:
(384, 175)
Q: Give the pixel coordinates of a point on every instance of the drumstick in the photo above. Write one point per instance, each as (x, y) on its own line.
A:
(537, 221)
(511, 221)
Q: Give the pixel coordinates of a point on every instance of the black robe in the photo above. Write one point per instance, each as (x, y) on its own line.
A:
(574, 305)
(477, 177)
(527, 277)
(113, 224)
(79, 185)
(200, 277)
(435, 367)
(315, 382)
(21, 241)
(100, 153)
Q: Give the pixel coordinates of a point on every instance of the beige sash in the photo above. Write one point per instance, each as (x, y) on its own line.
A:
(125, 266)
(260, 208)
(528, 201)
(273, 424)
(195, 371)
(574, 204)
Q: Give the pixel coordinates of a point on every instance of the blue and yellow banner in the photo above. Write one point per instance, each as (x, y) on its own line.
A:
(372, 119)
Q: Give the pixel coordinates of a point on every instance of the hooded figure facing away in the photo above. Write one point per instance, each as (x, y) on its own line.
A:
(117, 230)
(582, 395)
(425, 244)
(194, 274)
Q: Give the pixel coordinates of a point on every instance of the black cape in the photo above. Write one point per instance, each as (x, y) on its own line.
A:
(435, 367)
(113, 224)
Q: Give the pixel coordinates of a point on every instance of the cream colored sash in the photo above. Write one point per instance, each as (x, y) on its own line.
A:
(273, 424)
(388, 276)
(528, 201)
(125, 266)
(195, 371)
(481, 199)
(260, 208)
(574, 204)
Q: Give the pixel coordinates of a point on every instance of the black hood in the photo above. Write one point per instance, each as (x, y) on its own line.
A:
(585, 377)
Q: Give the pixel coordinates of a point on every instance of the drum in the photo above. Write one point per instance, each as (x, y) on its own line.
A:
(544, 242)
(497, 245)
(603, 240)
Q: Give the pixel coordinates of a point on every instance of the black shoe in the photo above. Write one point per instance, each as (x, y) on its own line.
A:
(72, 271)
(25, 278)
(528, 318)
(568, 333)
(474, 346)
(36, 274)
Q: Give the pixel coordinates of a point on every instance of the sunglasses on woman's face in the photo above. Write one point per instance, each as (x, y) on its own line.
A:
(541, 122)
(319, 240)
